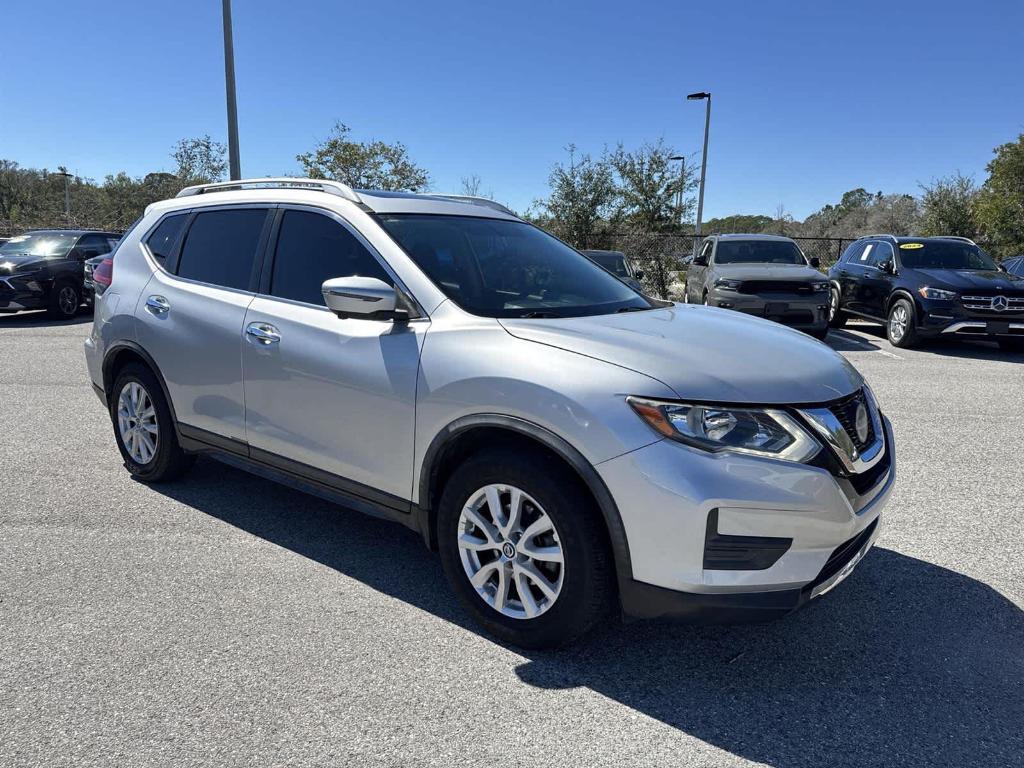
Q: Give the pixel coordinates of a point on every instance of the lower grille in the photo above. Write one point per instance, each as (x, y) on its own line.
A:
(842, 555)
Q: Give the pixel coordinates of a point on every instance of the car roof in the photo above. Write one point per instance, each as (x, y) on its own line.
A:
(290, 190)
(753, 236)
(75, 232)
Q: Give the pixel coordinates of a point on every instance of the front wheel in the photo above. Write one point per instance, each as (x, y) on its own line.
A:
(836, 316)
(901, 327)
(523, 547)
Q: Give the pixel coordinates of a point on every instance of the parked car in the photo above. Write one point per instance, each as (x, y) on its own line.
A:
(568, 444)
(617, 263)
(44, 269)
(763, 275)
(927, 287)
(1014, 266)
(89, 286)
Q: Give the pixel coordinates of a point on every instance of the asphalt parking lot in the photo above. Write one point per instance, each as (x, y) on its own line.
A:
(224, 620)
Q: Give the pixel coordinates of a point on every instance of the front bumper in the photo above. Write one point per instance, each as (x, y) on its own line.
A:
(801, 311)
(666, 493)
(18, 293)
(950, 319)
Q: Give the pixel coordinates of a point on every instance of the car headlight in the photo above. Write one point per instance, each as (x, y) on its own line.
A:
(818, 287)
(729, 285)
(767, 432)
(936, 293)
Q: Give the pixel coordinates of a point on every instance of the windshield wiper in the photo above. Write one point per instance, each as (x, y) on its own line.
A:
(540, 313)
(631, 309)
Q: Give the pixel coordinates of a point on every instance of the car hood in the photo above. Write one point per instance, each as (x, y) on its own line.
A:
(11, 264)
(704, 353)
(768, 272)
(960, 279)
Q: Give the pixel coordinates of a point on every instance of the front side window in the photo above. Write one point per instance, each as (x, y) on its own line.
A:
(758, 252)
(945, 254)
(881, 253)
(220, 247)
(502, 268)
(162, 239)
(312, 248)
(43, 244)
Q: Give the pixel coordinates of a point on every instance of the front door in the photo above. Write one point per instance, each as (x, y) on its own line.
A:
(321, 392)
(876, 285)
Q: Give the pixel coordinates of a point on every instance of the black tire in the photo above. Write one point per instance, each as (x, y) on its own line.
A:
(819, 334)
(836, 317)
(1012, 345)
(64, 300)
(169, 461)
(588, 578)
(909, 337)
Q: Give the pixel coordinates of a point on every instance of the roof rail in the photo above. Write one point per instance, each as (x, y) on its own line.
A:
(276, 182)
(865, 237)
(957, 237)
(473, 200)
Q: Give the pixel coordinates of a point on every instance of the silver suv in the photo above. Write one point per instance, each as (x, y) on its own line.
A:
(568, 445)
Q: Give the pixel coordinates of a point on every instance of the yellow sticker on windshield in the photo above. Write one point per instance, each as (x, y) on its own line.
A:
(911, 246)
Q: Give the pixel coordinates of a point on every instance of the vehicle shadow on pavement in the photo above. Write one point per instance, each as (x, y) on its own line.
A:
(845, 340)
(905, 663)
(40, 319)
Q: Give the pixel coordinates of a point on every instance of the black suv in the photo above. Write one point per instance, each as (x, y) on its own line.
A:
(44, 269)
(922, 287)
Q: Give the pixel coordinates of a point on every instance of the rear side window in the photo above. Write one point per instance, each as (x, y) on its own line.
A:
(220, 247)
(162, 239)
(312, 248)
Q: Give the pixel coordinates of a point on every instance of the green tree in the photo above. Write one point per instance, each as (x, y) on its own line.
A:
(947, 206)
(364, 165)
(739, 223)
(199, 160)
(999, 208)
(649, 187)
(583, 195)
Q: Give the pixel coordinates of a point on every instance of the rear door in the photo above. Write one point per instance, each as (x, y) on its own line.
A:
(696, 275)
(856, 270)
(190, 315)
(325, 394)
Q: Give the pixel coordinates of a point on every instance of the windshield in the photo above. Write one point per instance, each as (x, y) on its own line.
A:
(944, 254)
(500, 268)
(758, 252)
(40, 244)
(610, 260)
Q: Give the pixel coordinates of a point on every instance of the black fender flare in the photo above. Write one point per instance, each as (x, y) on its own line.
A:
(108, 373)
(562, 448)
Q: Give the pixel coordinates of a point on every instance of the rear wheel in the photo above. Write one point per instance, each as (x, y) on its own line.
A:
(65, 298)
(143, 427)
(524, 549)
(836, 316)
(901, 327)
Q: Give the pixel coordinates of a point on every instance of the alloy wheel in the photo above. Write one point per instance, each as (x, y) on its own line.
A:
(136, 422)
(511, 551)
(898, 321)
(833, 304)
(67, 300)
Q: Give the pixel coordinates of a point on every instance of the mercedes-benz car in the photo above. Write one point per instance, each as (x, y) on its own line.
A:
(571, 447)
(927, 287)
(44, 269)
(762, 275)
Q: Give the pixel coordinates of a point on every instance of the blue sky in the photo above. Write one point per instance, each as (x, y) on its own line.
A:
(810, 98)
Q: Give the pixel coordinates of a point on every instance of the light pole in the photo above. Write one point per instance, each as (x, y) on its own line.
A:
(682, 184)
(62, 171)
(229, 82)
(703, 95)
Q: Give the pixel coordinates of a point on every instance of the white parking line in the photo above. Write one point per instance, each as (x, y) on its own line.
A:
(851, 337)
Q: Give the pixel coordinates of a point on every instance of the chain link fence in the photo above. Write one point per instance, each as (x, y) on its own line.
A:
(660, 258)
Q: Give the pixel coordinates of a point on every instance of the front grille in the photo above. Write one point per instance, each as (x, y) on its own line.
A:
(984, 303)
(776, 286)
(846, 411)
(842, 555)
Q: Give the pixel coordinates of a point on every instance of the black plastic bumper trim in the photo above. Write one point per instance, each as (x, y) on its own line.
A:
(726, 552)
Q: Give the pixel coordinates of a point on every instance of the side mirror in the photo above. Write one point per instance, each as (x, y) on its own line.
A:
(638, 274)
(887, 266)
(700, 261)
(362, 297)
(815, 262)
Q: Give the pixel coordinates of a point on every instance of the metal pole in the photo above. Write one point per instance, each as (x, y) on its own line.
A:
(703, 172)
(229, 81)
(67, 193)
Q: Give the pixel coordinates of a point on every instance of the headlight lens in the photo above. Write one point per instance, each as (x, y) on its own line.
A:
(936, 293)
(819, 286)
(761, 432)
(729, 285)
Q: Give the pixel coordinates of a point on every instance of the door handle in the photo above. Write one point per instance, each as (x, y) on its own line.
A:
(263, 333)
(158, 305)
